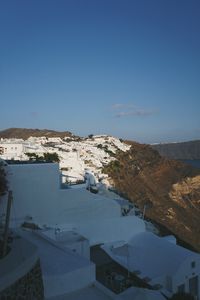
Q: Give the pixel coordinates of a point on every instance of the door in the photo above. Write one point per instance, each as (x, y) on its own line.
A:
(193, 286)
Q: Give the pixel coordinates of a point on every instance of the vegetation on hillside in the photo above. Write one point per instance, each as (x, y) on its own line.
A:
(105, 148)
(48, 157)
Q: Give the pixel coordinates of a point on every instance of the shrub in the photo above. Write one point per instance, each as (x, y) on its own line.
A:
(51, 157)
(32, 156)
(64, 169)
(100, 146)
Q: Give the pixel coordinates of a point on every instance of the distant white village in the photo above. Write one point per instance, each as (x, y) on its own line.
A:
(77, 156)
(88, 241)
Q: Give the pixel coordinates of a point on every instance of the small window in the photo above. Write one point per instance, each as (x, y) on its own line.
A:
(193, 265)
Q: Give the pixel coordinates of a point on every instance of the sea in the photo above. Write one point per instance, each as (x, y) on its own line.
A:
(193, 162)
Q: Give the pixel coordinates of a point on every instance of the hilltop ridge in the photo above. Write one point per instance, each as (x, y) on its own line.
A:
(180, 150)
(25, 133)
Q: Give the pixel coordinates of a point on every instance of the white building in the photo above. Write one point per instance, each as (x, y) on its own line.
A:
(16, 150)
(161, 263)
(111, 229)
(63, 271)
(11, 150)
(72, 221)
(38, 197)
(75, 219)
(70, 240)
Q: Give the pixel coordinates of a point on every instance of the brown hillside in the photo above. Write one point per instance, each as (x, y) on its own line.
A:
(24, 133)
(170, 188)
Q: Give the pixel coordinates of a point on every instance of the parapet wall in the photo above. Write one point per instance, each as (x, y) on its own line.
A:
(20, 272)
(30, 286)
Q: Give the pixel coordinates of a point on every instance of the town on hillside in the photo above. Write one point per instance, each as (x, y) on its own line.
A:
(66, 233)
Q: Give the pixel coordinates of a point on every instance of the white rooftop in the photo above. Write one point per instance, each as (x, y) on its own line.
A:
(141, 294)
(88, 293)
(61, 237)
(110, 229)
(63, 271)
(65, 261)
(162, 257)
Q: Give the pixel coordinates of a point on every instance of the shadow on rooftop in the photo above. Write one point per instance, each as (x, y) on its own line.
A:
(111, 274)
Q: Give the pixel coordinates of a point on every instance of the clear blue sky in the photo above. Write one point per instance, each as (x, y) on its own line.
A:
(126, 68)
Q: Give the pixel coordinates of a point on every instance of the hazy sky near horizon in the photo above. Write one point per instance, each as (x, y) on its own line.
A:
(120, 67)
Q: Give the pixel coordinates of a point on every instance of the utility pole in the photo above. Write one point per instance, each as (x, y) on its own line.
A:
(147, 205)
(144, 210)
(6, 230)
(128, 262)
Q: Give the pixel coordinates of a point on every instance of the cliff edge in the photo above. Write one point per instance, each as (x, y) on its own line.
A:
(169, 189)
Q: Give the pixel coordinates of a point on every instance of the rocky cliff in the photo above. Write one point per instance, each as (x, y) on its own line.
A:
(169, 189)
(185, 150)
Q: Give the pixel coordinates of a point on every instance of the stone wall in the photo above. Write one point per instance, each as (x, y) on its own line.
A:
(28, 287)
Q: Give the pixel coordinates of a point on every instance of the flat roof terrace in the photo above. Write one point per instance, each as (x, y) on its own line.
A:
(60, 267)
(65, 261)
(88, 293)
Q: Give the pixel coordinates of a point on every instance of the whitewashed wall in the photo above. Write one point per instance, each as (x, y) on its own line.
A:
(112, 229)
(79, 205)
(181, 276)
(185, 272)
(37, 195)
(17, 263)
(11, 150)
(69, 282)
(34, 191)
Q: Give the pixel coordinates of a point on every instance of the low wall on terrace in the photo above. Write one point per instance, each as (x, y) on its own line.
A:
(20, 273)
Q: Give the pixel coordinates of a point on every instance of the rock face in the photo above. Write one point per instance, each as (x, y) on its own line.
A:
(169, 189)
(185, 150)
